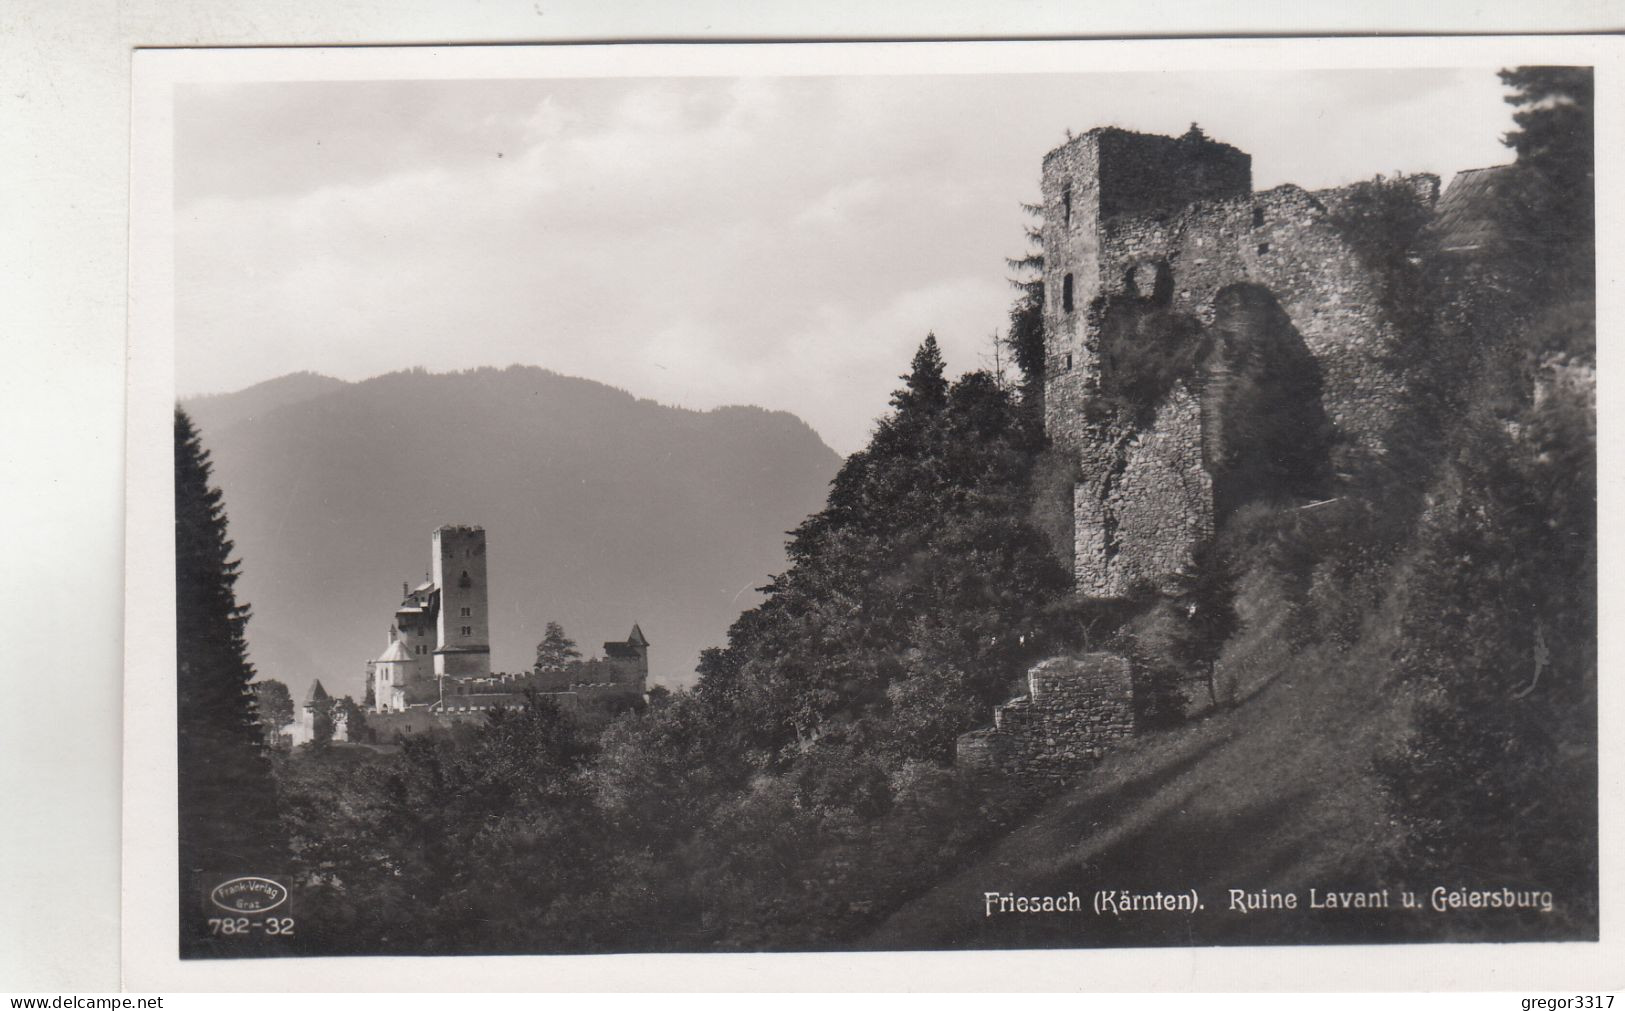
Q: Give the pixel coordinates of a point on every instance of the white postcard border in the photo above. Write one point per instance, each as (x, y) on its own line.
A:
(150, 898)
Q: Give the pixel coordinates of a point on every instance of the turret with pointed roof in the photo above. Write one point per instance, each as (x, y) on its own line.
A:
(631, 656)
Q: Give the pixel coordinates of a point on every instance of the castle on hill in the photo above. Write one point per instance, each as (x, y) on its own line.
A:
(436, 667)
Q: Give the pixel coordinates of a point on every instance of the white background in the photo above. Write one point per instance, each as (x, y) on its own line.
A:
(64, 156)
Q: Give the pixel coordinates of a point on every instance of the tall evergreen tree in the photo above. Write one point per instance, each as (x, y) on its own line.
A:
(1025, 338)
(925, 387)
(922, 546)
(1553, 218)
(1499, 643)
(556, 651)
(227, 801)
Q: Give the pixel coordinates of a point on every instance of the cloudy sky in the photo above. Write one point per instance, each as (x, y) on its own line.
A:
(784, 242)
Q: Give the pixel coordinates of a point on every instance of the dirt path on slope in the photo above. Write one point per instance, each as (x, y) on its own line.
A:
(1275, 795)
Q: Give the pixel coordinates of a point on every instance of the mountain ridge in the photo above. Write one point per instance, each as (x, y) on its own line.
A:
(602, 508)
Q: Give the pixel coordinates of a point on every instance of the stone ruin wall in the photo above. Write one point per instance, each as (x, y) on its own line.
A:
(1126, 521)
(1144, 500)
(1145, 497)
(1283, 240)
(1162, 502)
(1075, 710)
(1111, 175)
(1071, 244)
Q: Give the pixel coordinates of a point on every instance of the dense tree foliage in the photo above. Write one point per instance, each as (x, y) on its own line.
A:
(805, 785)
(353, 717)
(922, 559)
(766, 806)
(1554, 218)
(1498, 645)
(226, 800)
(1025, 334)
(457, 842)
(556, 651)
(1203, 602)
(273, 706)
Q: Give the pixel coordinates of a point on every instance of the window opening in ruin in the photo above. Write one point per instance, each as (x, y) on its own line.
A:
(467, 611)
(1263, 247)
(1069, 362)
(1258, 217)
(1066, 293)
(1066, 205)
(465, 582)
(468, 630)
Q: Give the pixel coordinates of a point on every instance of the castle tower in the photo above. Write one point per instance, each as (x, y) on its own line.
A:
(463, 647)
(1103, 194)
(416, 621)
(1089, 184)
(631, 656)
(1205, 346)
(391, 673)
(303, 728)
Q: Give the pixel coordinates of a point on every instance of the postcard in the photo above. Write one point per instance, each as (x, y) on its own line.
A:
(962, 514)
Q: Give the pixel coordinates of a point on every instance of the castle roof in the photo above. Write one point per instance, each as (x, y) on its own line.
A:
(316, 693)
(1466, 213)
(627, 650)
(396, 652)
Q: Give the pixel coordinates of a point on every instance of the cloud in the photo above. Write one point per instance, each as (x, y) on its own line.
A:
(778, 241)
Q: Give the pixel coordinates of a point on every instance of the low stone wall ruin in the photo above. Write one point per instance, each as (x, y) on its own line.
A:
(1075, 710)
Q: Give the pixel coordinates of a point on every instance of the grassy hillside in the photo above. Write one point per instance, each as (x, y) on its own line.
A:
(1277, 793)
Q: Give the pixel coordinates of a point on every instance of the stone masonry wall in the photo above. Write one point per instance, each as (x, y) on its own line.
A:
(1071, 198)
(1282, 239)
(1163, 500)
(1104, 176)
(1145, 501)
(1075, 710)
(1117, 203)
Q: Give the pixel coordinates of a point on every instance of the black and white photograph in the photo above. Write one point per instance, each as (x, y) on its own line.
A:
(849, 499)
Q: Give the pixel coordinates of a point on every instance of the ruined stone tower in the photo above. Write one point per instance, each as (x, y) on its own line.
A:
(464, 639)
(1174, 295)
(1088, 185)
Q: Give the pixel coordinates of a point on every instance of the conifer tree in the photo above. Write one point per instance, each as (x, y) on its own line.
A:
(1552, 219)
(1498, 645)
(227, 801)
(1025, 337)
(556, 651)
(925, 387)
(274, 706)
